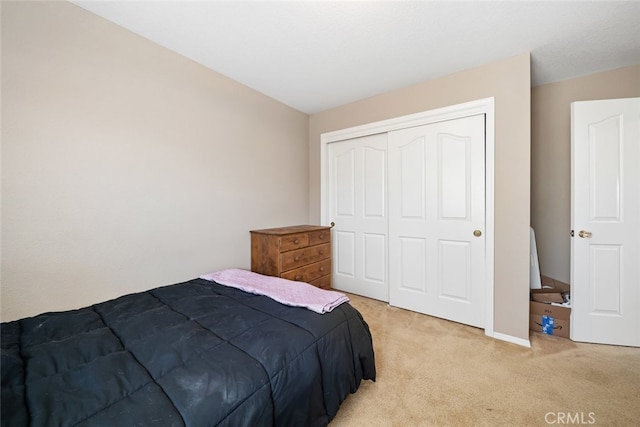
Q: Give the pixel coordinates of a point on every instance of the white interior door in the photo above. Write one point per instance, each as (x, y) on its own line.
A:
(605, 217)
(358, 208)
(437, 219)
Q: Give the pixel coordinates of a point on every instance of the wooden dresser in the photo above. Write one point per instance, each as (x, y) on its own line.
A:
(301, 252)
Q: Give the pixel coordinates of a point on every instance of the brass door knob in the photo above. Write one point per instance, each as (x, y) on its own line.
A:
(584, 234)
(477, 233)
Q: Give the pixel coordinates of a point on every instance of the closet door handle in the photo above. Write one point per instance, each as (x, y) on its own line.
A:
(584, 234)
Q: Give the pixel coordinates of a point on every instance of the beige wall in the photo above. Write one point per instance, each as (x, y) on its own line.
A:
(509, 82)
(126, 166)
(551, 157)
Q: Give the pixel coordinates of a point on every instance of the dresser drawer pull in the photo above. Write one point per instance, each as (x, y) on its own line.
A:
(296, 258)
(298, 278)
(296, 241)
(321, 236)
(321, 268)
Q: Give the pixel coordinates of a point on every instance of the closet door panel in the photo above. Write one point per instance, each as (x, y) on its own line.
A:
(454, 181)
(436, 195)
(358, 207)
(412, 273)
(411, 163)
(455, 270)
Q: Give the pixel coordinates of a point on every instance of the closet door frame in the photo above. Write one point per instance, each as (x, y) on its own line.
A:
(481, 106)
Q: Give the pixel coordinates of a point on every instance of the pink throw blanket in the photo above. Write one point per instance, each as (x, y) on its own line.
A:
(289, 292)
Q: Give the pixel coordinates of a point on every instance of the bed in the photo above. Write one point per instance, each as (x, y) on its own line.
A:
(195, 353)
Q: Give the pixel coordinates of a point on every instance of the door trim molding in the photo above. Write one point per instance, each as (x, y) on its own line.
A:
(484, 106)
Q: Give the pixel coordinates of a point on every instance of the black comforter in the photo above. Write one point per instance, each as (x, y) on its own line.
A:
(195, 353)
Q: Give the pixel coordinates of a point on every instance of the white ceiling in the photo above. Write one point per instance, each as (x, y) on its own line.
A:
(315, 55)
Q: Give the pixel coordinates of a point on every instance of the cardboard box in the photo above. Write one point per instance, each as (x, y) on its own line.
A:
(548, 296)
(552, 291)
(549, 319)
(545, 317)
(548, 282)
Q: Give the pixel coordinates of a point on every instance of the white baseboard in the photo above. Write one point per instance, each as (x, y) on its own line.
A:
(514, 340)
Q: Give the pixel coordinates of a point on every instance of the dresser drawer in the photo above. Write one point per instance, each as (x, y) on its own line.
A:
(319, 237)
(310, 272)
(294, 241)
(300, 257)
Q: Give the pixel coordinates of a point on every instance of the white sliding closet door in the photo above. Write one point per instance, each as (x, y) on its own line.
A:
(436, 188)
(358, 208)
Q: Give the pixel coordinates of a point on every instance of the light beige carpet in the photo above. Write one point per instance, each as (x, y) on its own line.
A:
(431, 372)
